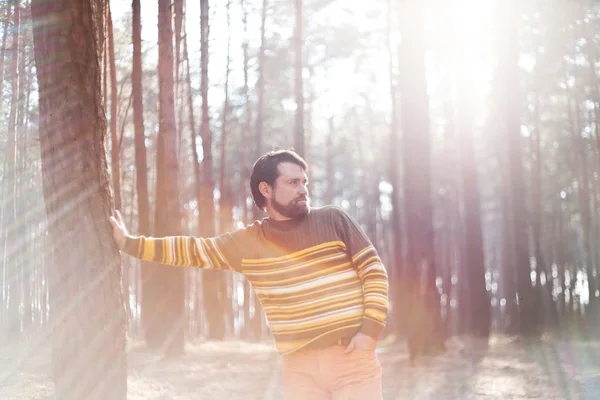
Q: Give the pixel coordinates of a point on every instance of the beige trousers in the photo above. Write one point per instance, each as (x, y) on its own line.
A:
(330, 374)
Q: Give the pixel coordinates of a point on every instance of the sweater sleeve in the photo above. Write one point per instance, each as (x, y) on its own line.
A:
(371, 272)
(220, 252)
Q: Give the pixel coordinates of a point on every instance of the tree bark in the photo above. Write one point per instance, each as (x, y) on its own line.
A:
(114, 140)
(86, 305)
(425, 335)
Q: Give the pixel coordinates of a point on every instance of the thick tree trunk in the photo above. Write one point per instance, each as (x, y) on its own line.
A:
(425, 335)
(87, 312)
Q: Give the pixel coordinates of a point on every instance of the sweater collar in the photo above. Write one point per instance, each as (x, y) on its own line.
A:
(288, 224)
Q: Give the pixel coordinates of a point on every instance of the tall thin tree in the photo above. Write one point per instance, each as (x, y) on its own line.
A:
(515, 213)
(115, 163)
(139, 139)
(474, 300)
(213, 281)
(167, 320)
(424, 320)
(9, 205)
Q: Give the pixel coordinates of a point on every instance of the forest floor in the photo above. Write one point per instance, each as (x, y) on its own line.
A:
(505, 368)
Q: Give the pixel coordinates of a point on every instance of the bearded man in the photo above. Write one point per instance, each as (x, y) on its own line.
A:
(319, 279)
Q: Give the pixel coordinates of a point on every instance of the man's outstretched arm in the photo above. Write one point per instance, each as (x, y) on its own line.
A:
(183, 251)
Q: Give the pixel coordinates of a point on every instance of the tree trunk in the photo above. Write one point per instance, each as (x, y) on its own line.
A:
(88, 355)
(24, 203)
(163, 287)
(245, 174)
(252, 318)
(179, 17)
(583, 193)
(141, 164)
(517, 217)
(192, 124)
(114, 140)
(178, 9)
(260, 89)
(537, 224)
(214, 284)
(226, 198)
(425, 335)
(9, 206)
(478, 307)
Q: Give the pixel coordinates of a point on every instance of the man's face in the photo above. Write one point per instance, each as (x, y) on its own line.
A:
(290, 192)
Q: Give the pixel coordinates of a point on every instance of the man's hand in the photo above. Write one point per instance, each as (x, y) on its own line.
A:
(361, 341)
(119, 230)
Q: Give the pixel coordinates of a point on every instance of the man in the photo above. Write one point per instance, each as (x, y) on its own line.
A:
(319, 279)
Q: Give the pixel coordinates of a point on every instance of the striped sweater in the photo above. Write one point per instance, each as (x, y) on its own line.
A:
(319, 279)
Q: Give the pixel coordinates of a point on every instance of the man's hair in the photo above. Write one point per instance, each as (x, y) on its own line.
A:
(266, 169)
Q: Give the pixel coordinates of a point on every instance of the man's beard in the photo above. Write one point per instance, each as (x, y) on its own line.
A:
(295, 209)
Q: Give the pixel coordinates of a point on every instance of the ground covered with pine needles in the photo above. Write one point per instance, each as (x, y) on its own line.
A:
(504, 368)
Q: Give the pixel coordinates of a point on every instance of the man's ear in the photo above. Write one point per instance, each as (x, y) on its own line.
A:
(265, 189)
